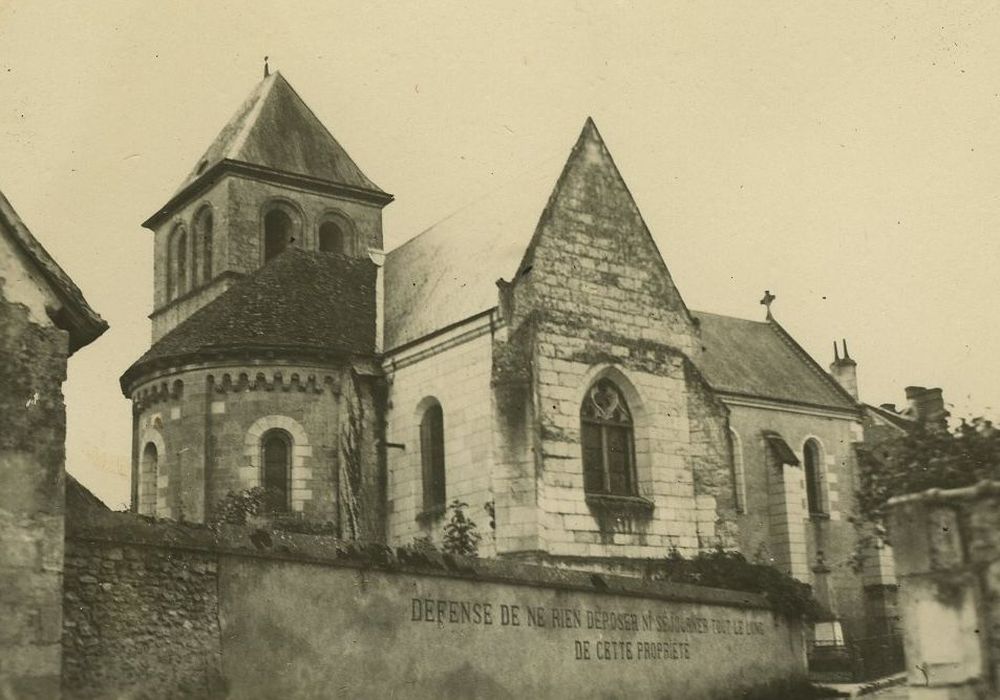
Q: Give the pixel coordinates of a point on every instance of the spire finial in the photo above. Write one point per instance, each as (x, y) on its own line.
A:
(767, 301)
(846, 355)
(836, 352)
(267, 69)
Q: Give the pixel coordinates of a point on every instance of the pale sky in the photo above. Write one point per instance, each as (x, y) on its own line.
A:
(845, 156)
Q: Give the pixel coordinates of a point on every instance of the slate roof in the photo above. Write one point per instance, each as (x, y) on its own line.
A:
(448, 274)
(80, 499)
(76, 317)
(275, 129)
(760, 359)
(321, 303)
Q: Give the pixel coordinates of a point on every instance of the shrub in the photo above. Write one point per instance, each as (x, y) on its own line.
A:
(460, 534)
(723, 569)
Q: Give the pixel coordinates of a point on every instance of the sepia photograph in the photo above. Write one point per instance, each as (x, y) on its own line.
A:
(490, 350)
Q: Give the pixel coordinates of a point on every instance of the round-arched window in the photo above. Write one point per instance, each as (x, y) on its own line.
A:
(276, 449)
(203, 233)
(147, 479)
(331, 238)
(279, 232)
(432, 456)
(814, 477)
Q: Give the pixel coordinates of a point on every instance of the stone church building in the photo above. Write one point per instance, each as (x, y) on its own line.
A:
(534, 362)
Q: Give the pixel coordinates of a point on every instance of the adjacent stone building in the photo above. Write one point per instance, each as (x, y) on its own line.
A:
(530, 357)
(43, 320)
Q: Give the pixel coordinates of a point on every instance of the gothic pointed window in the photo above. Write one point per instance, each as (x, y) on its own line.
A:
(814, 477)
(276, 448)
(608, 442)
(279, 232)
(432, 457)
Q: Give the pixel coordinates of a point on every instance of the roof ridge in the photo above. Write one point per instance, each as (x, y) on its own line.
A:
(265, 87)
(734, 318)
(328, 132)
(535, 170)
(810, 361)
(85, 324)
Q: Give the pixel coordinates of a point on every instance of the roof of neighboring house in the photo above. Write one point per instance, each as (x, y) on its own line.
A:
(900, 421)
(275, 130)
(760, 359)
(323, 303)
(75, 316)
(80, 499)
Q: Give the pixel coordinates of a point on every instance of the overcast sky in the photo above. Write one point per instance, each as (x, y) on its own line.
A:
(844, 156)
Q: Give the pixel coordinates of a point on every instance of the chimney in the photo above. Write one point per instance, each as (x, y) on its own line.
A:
(845, 370)
(927, 406)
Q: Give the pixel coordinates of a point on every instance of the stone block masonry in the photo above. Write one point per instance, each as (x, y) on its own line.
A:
(32, 436)
(946, 546)
(139, 621)
(171, 610)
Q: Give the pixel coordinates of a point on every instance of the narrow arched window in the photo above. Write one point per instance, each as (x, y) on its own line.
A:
(608, 442)
(739, 474)
(331, 238)
(177, 263)
(276, 458)
(147, 479)
(432, 456)
(203, 234)
(279, 232)
(814, 477)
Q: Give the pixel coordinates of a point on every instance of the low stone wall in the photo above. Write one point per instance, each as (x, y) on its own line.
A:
(947, 550)
(155, 610)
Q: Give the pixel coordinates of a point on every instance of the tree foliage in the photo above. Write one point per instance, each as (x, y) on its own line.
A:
(927, 457)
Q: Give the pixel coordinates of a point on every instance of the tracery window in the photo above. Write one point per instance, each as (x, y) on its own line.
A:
(608, 441)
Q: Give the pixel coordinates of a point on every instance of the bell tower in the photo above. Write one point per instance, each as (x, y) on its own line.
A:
(274, 177)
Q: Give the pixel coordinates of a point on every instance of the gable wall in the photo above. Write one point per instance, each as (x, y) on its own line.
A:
(32, 464)
(601, 300)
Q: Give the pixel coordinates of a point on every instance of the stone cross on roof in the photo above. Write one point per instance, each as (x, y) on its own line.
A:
(767, 301)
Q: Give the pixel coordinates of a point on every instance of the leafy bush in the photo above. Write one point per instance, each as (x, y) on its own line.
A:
(926, 458)
(235, 508)
(723, 569)
(460, 534)
(238, 508)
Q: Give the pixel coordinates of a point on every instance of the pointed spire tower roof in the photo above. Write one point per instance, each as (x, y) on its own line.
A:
(275, 136)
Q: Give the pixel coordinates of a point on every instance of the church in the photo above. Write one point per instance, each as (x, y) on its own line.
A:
(535, 362)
